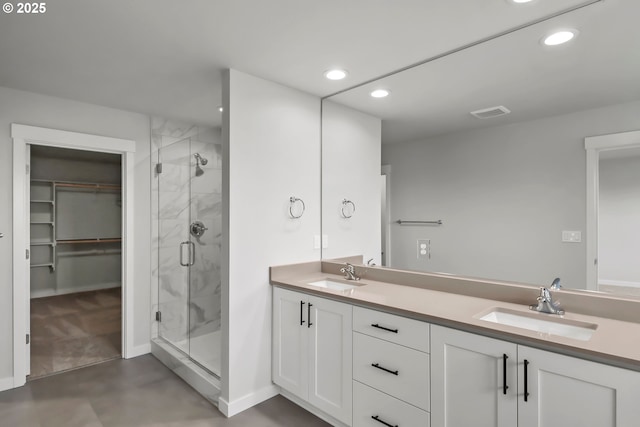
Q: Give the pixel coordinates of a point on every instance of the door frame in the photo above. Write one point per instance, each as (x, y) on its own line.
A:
(594, 145)
(23, 135)
(385, 171)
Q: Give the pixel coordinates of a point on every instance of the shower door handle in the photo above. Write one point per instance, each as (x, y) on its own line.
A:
(182, 253)
(192, 253)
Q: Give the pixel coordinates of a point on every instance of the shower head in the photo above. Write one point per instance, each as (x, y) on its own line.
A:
(199, 170)
(200, 159)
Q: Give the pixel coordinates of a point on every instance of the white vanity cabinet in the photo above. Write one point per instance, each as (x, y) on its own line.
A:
(390, 370)
(566, 391)
(312, 340)
(468, 386)
(468, 381)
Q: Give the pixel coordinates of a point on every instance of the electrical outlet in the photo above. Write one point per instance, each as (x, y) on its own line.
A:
(424, 249)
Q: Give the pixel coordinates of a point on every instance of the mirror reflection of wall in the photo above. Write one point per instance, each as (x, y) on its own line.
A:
(350, 187)
(619, 221)
(506, 188)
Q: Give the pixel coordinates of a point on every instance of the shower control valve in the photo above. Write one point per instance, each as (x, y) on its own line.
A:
(197, 228)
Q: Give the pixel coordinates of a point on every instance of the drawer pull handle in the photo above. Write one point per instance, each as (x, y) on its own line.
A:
(375, 365)
(309, 324)
(377, 418)
(526, 380)
(375, 325)
(504, 374)
(301, 308)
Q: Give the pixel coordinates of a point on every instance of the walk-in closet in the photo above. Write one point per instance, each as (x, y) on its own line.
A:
(76, 259)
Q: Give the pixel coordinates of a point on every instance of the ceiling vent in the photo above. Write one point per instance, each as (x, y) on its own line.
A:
(489, 113)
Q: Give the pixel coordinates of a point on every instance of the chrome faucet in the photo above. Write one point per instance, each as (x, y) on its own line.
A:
(546, 303)
(349, 272)
(555, 285)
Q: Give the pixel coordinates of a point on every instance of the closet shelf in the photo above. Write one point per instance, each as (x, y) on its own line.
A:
(112, 187)
(42, 265)
(42, 244)
(41, 201)
(42, 222)
(79, 241)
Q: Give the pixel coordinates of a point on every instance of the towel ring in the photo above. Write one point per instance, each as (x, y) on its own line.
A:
(292, 202)
(345, 203)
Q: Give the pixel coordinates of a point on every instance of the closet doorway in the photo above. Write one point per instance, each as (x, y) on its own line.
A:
(76, 258)
(49, 244)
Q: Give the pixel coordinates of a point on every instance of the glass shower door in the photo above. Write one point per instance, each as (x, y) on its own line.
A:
(174, 190)
(206, 238)
(189, 249)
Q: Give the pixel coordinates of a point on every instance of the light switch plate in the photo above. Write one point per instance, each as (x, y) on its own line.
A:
(316, 241)
(325, 241)
(571, 236)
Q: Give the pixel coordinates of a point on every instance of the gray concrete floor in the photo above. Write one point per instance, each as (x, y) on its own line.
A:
(138, 392)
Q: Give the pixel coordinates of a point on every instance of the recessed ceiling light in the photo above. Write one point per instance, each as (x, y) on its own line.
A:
(380, 93)
(220, 108)
(521, 1)
(336, 74)
(559, 37)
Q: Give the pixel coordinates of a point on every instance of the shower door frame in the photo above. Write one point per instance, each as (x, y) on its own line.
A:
(22, 136)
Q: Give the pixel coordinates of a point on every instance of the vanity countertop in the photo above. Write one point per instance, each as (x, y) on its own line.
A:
(614, 342)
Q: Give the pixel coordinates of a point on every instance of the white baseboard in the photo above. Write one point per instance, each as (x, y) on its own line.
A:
(6, 383)
(138, 351)
(310, 408)
(619, 283)
(63, 291)
(229, 409)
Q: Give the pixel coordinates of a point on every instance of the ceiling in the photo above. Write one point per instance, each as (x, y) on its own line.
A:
(600, 67)
(165, 57)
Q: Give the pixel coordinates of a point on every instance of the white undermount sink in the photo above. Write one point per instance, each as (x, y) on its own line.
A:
(547, 325)
(332, 284)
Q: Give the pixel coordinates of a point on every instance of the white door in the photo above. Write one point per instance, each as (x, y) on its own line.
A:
(290, 360)
(565, 391)
(468, 382)
(330, 338)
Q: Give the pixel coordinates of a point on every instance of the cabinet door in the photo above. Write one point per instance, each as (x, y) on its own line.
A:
(290, 362)
(565, 391)
(330, 358)
(467, 381)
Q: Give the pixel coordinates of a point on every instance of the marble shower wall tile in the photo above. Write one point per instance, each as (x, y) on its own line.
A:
(173, 128)
(189, 299)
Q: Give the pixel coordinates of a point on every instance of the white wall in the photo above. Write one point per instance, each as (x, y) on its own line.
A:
(39, 110)
(351, 143)
(619, 221)
(504, 194)
(272, 149)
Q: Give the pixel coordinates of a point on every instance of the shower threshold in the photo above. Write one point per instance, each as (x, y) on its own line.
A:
(202, 380)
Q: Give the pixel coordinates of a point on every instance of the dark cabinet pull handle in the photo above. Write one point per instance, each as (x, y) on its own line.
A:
(375, 365)
(504, 374)
(526, 391)
(301, 308)
(309, 315)
(377, 418)
(375, 325)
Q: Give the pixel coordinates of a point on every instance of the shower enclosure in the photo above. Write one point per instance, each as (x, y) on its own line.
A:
(188, 194)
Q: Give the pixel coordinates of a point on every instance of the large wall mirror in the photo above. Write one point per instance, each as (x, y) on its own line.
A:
(499, 196)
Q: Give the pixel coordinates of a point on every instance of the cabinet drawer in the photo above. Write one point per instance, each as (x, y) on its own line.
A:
(408, 332)
(368, 403)
(400, 371)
